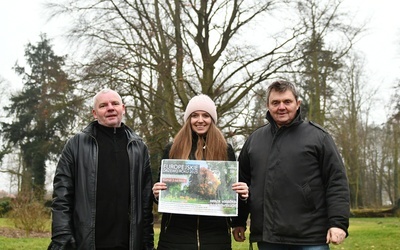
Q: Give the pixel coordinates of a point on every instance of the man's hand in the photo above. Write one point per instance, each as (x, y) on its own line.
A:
(242, 189)
(61, 242)
(335, 235)
(238, 234)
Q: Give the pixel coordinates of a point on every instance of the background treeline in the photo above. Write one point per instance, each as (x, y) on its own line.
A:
(159, 54)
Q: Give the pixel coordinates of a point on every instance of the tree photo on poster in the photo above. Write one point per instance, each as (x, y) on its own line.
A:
(199, 187)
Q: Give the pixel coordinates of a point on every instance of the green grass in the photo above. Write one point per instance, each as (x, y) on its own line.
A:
(20, 243)
(365, 233)
(23, 243)
(372, 233)
(6, 223)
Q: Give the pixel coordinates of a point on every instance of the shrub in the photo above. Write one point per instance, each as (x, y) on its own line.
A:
(5, 206)
(29, 214)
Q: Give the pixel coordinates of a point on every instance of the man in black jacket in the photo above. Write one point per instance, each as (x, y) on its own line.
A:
(102, 186)
(299, 195)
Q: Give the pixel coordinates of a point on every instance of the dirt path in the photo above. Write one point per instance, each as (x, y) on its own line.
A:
(18, 233)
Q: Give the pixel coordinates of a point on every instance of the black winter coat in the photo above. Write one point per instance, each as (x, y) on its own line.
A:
(74, 208)
(297, 181)
(192, 232)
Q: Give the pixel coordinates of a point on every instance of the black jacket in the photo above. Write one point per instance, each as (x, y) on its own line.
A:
(74, 208)
(298, 185)
(193, 232)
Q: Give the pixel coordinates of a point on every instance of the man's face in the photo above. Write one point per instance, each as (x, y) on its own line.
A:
(283, 107)
(108, 109)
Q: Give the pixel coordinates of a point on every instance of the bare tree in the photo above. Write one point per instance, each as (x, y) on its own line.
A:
(394, 127)
(9, 164)
(158, 54)
(352, 100)
(330, 36)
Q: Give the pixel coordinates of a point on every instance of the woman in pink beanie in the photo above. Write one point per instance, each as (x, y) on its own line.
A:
(198, 139)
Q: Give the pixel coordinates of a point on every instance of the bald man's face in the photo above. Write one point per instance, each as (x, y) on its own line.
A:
(108, 109)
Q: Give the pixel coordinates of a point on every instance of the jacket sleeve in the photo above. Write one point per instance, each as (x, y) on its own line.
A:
(231, 153)
(148, 231)
(164, 156)
(63, 194)
(244, 176)
(336, 185)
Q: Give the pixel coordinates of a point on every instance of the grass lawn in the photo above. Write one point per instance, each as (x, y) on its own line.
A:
(365, 233)
(372, 233)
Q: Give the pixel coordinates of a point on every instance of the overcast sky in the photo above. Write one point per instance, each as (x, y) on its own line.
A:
(22, 21)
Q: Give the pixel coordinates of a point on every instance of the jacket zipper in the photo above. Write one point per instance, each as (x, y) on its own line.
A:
(168, 222)
(198, 233)
(228, 227)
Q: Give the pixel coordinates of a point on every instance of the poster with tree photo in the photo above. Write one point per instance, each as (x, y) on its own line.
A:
(199, 187)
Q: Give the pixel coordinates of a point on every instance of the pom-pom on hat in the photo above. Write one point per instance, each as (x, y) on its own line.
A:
(201, 102)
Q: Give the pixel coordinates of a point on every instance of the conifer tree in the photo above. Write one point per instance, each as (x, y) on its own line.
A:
(42, 113)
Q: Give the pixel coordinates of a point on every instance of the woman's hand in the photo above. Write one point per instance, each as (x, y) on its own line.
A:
(157, 187)
(242, 189)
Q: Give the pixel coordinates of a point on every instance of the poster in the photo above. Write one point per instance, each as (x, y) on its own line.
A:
(199, 187)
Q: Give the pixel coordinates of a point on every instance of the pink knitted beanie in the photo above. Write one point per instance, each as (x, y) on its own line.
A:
(201, 102)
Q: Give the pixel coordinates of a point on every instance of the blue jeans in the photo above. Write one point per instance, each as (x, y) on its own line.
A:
(270, 246)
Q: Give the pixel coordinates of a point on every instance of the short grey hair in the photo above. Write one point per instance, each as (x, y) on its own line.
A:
(103, 91)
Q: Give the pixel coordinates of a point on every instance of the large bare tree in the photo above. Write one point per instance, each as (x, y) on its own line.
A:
(158, 54)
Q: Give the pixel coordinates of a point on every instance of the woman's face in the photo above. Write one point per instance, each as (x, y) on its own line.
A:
(200, 122)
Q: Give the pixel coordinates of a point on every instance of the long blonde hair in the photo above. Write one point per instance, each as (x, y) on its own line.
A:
(211, 146)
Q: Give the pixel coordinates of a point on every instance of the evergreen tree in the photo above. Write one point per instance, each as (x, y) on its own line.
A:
(43, 112)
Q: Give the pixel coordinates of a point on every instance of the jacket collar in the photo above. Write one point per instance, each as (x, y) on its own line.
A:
(91, 129)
